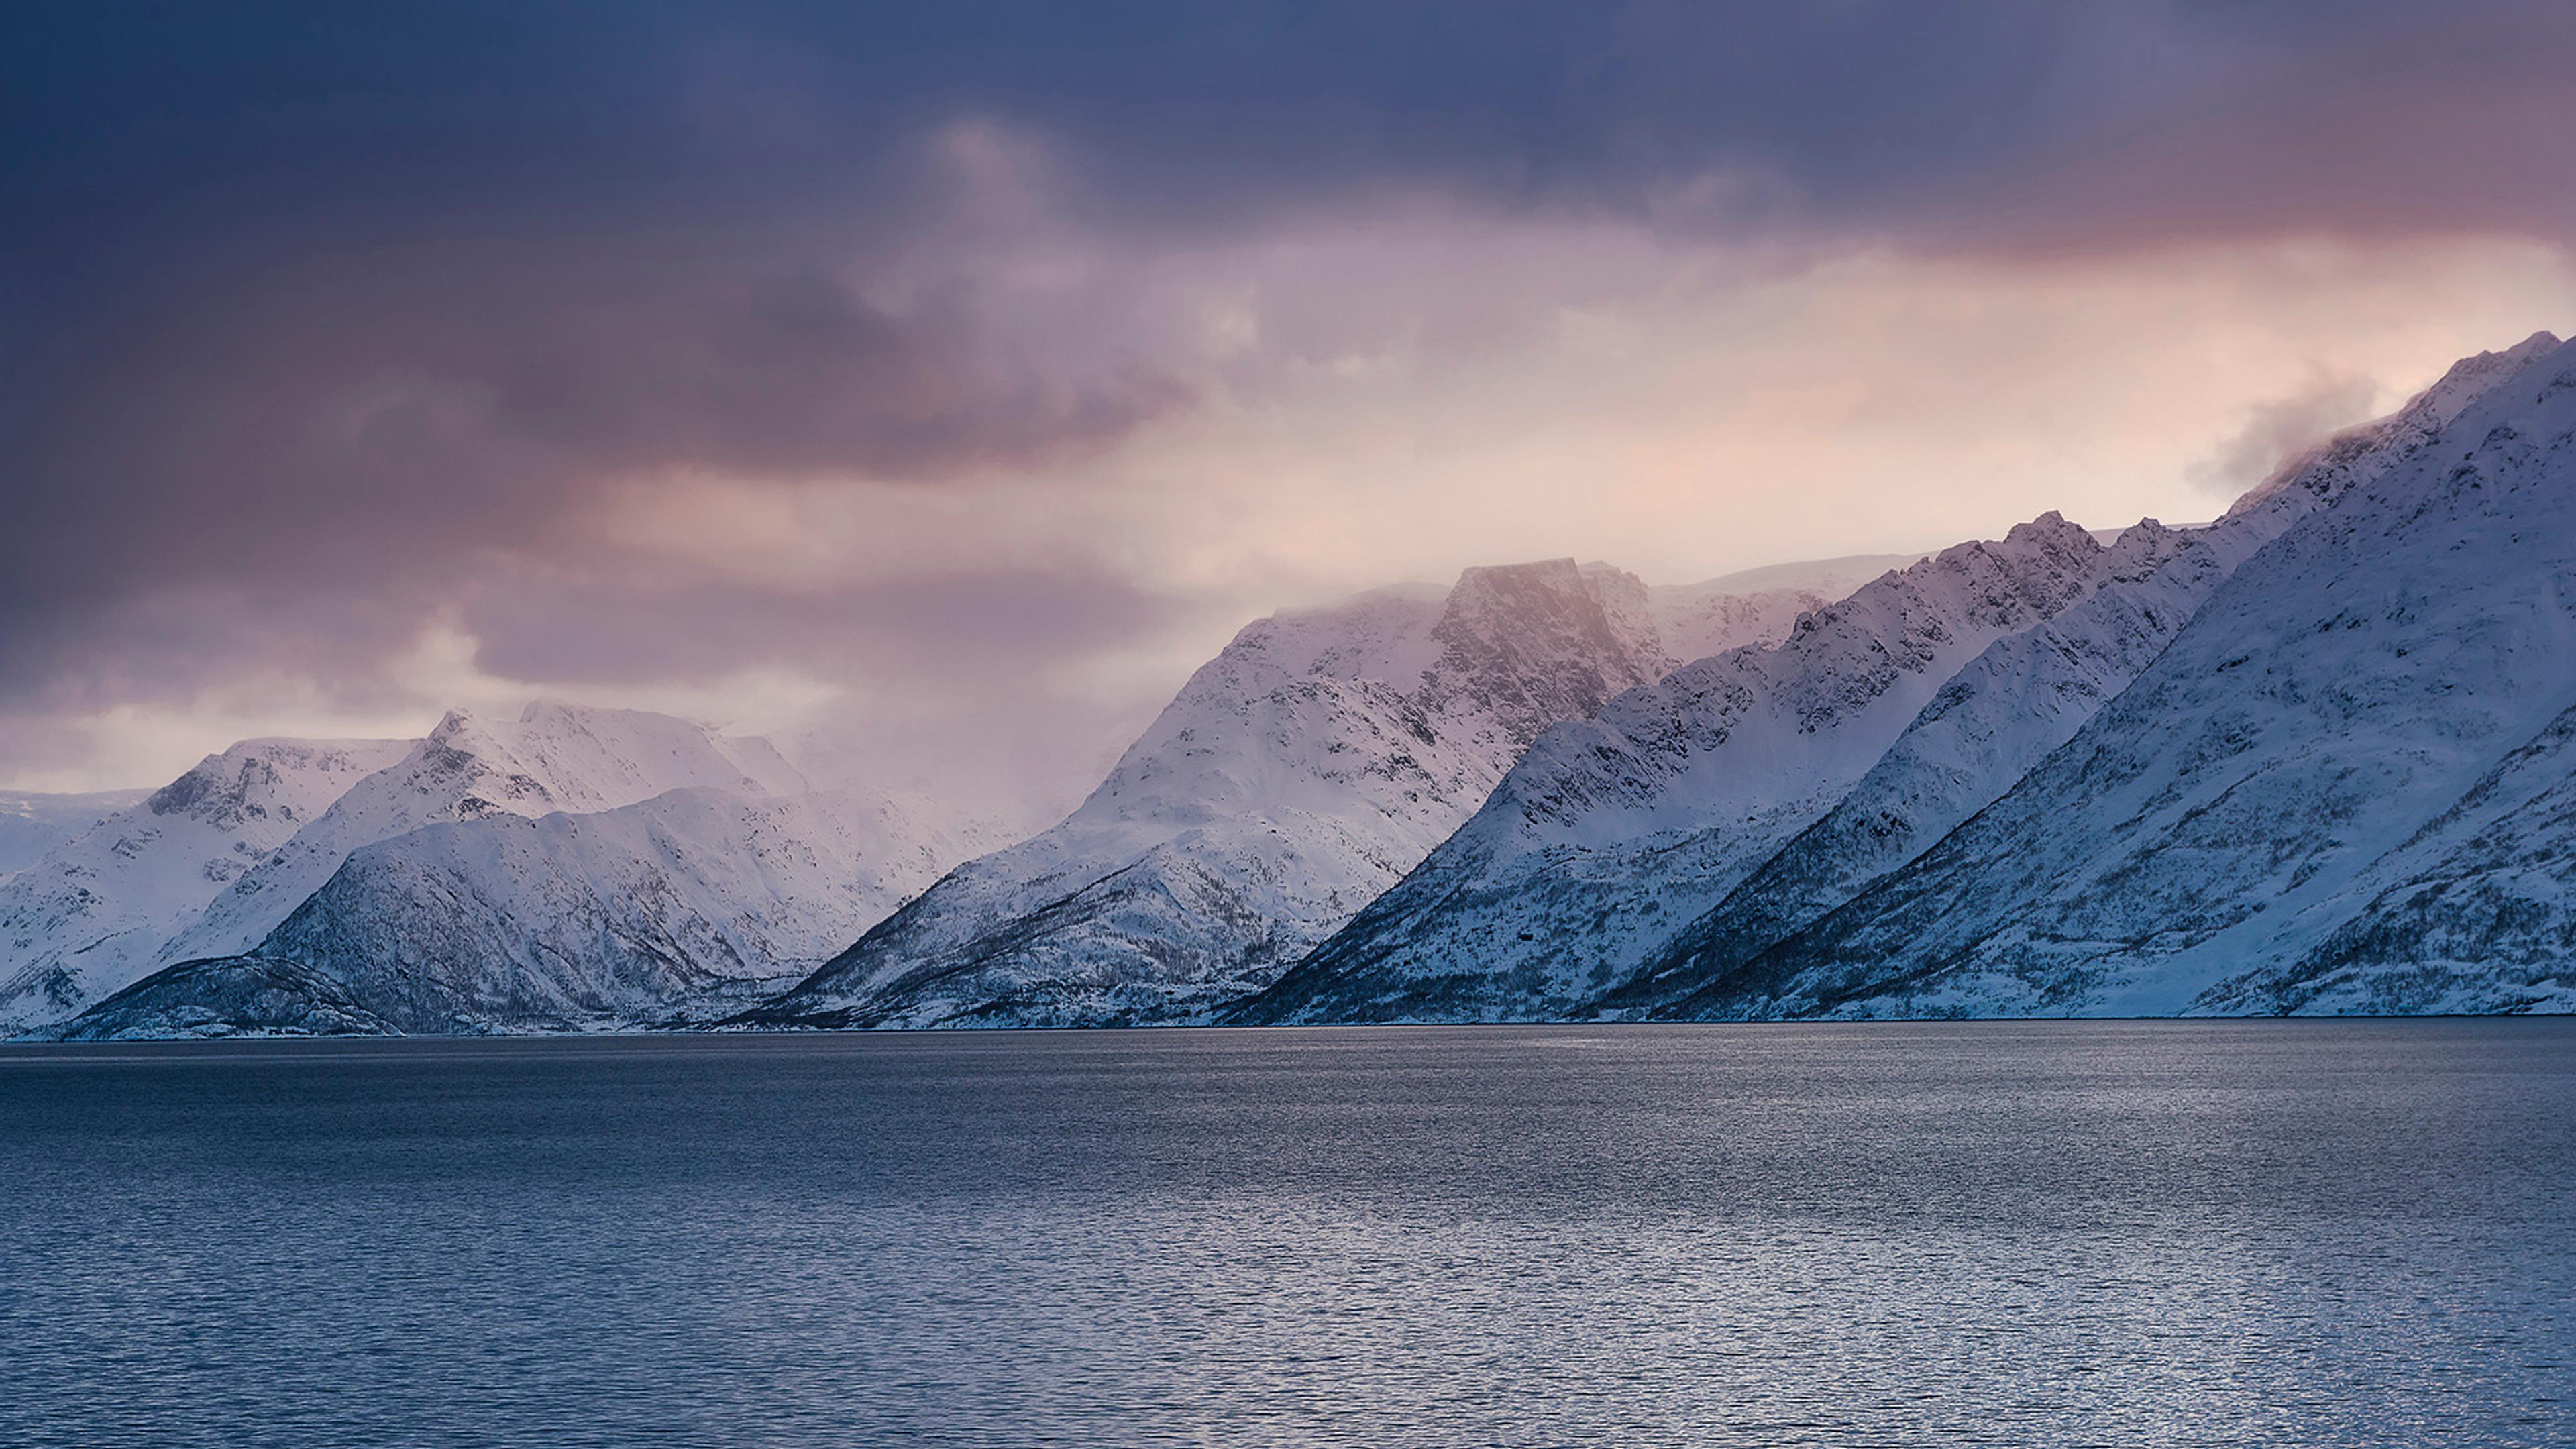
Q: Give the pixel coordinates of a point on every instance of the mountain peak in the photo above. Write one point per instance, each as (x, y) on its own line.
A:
(2146, 546)
(552, 757)
(239, 778)
(1536, 643)
(2521, 352)
(1495, 596)
(1565, 569)
(85, 918)
(215, 775)
(2446, 399)
(2324, 473)
(2051, 530)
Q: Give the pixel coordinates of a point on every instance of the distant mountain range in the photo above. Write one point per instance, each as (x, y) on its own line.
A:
(2312, 757)
(567, 869)
(32, 824)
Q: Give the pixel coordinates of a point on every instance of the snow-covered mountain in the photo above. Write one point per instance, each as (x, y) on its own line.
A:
(89, 916)
(692, 901)
(33, 823)
(2029, 693)
(1612, 833)
(2341, 787)
(565, 869)
(1296, 776)
(552, 757)
(2318, 755)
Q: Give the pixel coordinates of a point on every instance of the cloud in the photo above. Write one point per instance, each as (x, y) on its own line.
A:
(921, 353)
(974, 634)
(373, 429)
(2280, 429)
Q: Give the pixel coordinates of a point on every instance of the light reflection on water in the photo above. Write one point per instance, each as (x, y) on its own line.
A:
(2037, 1233)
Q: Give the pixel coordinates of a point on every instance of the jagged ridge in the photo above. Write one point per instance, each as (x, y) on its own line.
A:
(1611, 833)
(2250, 797)
(2027, 695)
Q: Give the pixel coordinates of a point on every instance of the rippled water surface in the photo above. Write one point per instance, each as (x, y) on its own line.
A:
(2051, 1233)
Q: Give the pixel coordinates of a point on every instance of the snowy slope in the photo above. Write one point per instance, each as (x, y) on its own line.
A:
(1757, 606)
(2298, 794)
(551, 757)
(31, 823)
(688, 901)
(2028, 694)
(87, 918)
(2477, 912)
(1611, 834)
(1295, 777)
(1985, 728)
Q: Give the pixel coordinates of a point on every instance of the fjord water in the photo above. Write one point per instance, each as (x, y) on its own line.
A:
(2006, 1233)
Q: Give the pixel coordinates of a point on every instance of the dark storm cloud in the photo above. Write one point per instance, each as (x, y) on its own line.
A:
(317, 308)
(1197, 112)
(359, 433)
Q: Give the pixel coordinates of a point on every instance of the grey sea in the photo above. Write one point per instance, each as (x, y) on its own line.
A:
(2004, 1233)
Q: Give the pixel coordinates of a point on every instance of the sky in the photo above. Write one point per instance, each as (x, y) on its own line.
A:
(938, 384)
